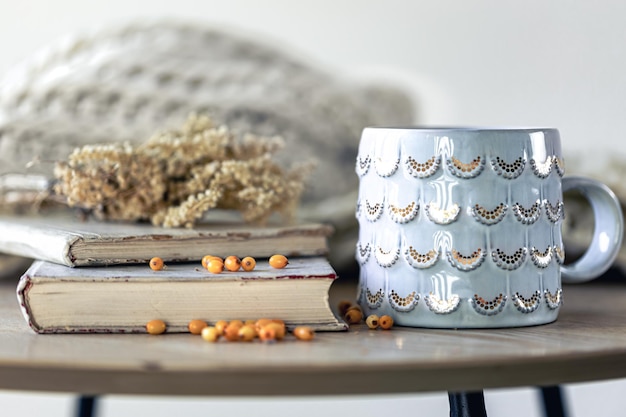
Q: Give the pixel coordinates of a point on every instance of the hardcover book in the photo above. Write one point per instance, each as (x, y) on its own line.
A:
(71, 242)
(122, 299)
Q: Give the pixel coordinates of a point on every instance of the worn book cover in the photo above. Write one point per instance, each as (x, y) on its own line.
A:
(119, 299)
(71, 242)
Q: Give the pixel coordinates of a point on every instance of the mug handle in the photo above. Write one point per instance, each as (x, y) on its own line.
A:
(607, 234)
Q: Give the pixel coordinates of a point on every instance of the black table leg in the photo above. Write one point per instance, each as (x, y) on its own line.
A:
(467, 404)
(553, 404)
(85, 406)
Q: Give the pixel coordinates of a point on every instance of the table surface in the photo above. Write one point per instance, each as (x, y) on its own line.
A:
(588, 342)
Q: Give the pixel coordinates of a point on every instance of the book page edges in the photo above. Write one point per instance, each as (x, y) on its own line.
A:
(54, 306)
(141, 249)
(67, 241)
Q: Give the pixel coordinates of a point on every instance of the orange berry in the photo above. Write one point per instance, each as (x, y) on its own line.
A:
(260, 323)
(155, 327)
(220, 326)
(372, 321)
(232, 263)
(215, 266)
(248, 263)
(196, 326)
(207, 258)
(249, 323)
(235, 323)
(278, 261)
(210, 334)
(279, 329)
(246, 333)
(231, 333)
(355, 307)
(304, 333)
(353, 316)
(156, 264)
(343, 306)
(386, 322)
(267, 334)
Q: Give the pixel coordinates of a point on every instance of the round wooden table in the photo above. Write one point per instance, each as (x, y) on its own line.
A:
(588, 342)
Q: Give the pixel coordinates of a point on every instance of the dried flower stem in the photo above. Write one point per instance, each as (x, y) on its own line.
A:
(178, 175)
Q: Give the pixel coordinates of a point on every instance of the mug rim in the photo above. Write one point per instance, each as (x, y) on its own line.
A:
(426, 128)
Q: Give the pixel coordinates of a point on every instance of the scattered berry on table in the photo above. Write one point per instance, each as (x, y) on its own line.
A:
(235, 323)
(156, 327)
(248, 263)
(220, 326)
(207, 258)
(304, 333)
(231, 333)
(215, 266)
(386, 322)
(343, 306)
(372, 321)
(267, 334)
(260, 323)
(196, 326)
(156, 264)
(353, 316)
(232, 263)
(279, 329)
(278, 261)
(210, 334)
(246, 333)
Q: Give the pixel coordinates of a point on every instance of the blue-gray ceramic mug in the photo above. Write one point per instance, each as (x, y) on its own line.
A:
(461, 227)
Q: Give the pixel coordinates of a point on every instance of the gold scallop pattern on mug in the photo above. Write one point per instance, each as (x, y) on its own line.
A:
(509, 262)
(488, 308)
(541, 259)
(527, 305)
(422, 169)
(554, 212)
(527, 215)
(440, 306)
(442, 216)
(363, 252)
(542, 169)
(559, 165)
(555, 300)
(403, 304)
(373, 211)
(559, 255)
(386, 258)
(466, 262)
(363, 165)
(374, 300)
(403, 214)
(465, 170)
(386, 167)
(508, 170)
(489, 217)
(421, 260)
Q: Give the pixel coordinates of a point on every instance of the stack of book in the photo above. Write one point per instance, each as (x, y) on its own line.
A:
(93, 277)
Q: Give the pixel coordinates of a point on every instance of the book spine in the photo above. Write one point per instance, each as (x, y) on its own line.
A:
(45, 244)
(23, 286)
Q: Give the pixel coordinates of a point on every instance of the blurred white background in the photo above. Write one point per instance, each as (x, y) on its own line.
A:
(560, 64)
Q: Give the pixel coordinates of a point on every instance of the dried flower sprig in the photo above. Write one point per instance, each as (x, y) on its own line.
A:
(178, 175)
